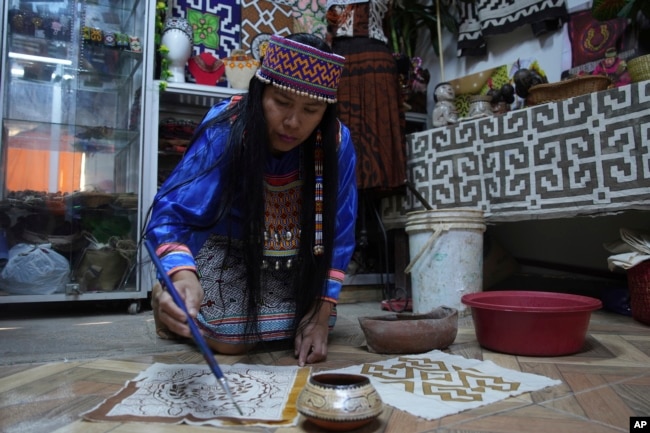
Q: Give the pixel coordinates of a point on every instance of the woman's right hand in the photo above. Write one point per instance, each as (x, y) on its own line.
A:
(188, 287)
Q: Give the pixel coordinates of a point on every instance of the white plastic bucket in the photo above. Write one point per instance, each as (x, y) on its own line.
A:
(446, 253)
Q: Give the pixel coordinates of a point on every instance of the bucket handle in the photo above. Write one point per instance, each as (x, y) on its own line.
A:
(425, 247)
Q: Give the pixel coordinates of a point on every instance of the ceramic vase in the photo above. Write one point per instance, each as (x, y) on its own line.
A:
(480, 105)
(340, 402)
(240, 68)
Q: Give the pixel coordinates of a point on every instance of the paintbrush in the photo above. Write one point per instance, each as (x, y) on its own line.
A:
(194, 329)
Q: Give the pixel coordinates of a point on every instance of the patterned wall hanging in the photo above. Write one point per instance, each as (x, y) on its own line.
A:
(590, 38)
(264, 17)
(217, 25)
(481, 19)
(308, 16)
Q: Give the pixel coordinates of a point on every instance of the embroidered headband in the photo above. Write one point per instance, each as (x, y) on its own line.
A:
(301, 69)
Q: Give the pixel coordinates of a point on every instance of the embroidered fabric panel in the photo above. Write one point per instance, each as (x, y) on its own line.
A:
(185, 393)
(282, 220)
(225, 14)
(308, 16)
(580, 156)
(484, 18)
(590, 38)
(267, 17)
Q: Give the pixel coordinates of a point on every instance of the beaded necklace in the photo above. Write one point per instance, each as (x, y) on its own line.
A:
(282, 237)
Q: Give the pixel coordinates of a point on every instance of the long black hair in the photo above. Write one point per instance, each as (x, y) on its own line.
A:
(243, 166)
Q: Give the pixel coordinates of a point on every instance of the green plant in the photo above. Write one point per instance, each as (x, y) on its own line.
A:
(410, 19)
(604, 10)
(161, 14)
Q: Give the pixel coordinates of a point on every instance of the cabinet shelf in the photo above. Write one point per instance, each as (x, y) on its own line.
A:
(72, 146)
(50, 61)
(68, 138)
(191, 89)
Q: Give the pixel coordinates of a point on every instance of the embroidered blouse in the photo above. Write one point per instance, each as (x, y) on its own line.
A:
(178, 242)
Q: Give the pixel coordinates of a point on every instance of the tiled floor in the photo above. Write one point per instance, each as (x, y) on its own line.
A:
(602, 386)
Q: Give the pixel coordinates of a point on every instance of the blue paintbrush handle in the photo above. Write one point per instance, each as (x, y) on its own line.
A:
(194, 329)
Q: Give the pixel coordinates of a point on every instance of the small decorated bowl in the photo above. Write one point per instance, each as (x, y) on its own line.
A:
(240, 68)
(341, 402)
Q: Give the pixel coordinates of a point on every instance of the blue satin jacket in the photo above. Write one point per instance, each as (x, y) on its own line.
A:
(178, 243)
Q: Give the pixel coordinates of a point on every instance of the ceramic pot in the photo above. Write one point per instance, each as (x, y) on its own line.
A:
(410, 333)
(240, 68)
(479, 106)
(340, 402)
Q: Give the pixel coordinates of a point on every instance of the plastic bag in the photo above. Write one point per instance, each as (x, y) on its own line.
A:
(34, 270)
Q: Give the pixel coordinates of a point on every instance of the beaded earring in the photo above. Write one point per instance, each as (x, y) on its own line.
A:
(319, 249)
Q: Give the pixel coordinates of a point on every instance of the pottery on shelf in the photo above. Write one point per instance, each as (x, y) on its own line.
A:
(480, 106)
(410, 333)
(337, 401)
(240, 68)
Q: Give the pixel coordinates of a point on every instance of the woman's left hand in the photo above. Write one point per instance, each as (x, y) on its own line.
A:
(311, 342)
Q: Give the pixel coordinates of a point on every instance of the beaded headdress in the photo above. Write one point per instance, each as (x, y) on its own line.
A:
(301, 69)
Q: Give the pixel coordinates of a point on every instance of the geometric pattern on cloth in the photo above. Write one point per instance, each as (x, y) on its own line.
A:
(484, 18)
(229, 18)
(190, 394)
(301, 68)
(580, 156)
(266, 17)
(436, 384)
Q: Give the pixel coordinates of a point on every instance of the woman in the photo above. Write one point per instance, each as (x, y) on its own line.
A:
(255, 225)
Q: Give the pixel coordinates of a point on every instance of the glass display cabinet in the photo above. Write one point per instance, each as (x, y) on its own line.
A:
(70, 151)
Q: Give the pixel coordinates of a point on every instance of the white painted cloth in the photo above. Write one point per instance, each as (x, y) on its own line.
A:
(436, 384)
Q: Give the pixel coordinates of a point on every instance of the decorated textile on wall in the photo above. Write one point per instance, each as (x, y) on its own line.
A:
(484, 18)
(435, 384)
(308, 16)
(217, 25)
(190, 394)
(264, 17)
(590, 38)
(223, 26)
(580, 156)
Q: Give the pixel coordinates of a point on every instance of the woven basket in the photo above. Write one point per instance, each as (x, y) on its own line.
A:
(639, 68)
(638, 281)
(550, 92)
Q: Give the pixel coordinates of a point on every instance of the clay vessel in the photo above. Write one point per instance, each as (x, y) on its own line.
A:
(341, 402)
(410, 333)
(240, 68)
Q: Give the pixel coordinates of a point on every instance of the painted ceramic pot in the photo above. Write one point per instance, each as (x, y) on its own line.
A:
(240, 68)
(339, 402)
(479, 106)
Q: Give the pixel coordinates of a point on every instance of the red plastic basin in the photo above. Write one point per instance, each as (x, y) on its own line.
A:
(531, 323)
